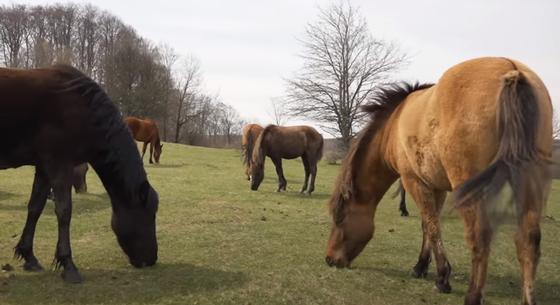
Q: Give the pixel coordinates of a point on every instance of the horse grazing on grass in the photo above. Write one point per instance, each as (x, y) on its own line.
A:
(146, 131)
(249, 135)
(486, 123)
(54, 119)
(279, 143)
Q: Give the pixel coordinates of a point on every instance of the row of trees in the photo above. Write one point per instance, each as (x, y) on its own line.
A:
(144, 79)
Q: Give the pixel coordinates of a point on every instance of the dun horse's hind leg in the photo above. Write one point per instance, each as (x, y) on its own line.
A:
(24, 248)
(63, 209)
(281, 180)
(305, 162)
(527, 240)
(420, 270)
(478, 232)
(430, 203)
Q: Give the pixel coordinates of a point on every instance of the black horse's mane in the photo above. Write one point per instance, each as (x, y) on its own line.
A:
(380, 107)
(116, 160)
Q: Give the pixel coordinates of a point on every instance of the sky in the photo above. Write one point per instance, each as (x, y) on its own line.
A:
(247, 48)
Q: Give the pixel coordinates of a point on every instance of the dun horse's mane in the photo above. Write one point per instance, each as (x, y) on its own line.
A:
(258, 153)
(247, 150)
(118, 163)
(380, 108)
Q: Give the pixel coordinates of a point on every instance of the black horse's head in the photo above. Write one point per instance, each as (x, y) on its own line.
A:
(257, 175)
(135, 226)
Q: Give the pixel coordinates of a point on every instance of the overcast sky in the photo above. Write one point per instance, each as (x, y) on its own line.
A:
(247, 47)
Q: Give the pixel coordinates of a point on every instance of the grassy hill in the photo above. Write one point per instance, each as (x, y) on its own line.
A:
(221, 243)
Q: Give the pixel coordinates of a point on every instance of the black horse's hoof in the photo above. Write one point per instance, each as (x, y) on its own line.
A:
(72, 276)
(443, 287)
(32, 266)
(404, 213)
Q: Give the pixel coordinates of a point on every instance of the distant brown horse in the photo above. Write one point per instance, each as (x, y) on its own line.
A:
(485, 124)
(146, 131)
(291, 142)
(249, 135)
(54, 119)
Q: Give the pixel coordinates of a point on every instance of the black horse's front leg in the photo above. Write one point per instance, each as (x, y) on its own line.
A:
(63, 210)
(402, 205)
(24, 248)
(282, 183)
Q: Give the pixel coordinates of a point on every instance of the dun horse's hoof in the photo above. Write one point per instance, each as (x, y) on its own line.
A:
(32, 266)
(72, 276)
(474, 299)
(443, 287)
(417, 273)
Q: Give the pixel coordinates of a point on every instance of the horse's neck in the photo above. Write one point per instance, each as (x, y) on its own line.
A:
(374, 173)
(119, 166)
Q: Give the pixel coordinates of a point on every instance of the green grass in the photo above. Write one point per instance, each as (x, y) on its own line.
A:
(221, 243)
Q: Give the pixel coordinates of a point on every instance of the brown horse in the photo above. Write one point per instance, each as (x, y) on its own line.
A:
(54, 119)
(291, 142)
(485, 124)
(250, 134)
(146, 131)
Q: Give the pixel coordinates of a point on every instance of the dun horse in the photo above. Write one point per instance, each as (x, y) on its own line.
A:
(290, 142)
(250, 134)
(485, 124)
(55, 119)
(146, 131)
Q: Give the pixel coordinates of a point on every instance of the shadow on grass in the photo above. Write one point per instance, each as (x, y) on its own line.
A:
(508, 285)
(179, 165)
(11, 206)
(124, 286)
(82, 203)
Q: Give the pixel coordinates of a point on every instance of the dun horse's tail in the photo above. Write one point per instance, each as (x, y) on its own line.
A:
(516, 160)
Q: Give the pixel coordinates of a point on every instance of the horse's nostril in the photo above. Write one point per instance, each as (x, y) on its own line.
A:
(329, 261)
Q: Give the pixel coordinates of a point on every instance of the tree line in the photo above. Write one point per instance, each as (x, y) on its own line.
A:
(146, 80)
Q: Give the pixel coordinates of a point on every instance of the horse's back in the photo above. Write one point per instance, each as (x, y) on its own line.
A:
(449, 132)
(38, 115)
(294, 141)
(143, 130)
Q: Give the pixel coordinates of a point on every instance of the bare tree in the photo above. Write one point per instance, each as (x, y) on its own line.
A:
(168, 58)
(13, 30)
(343, 66)
(279, 112)
(188, 85)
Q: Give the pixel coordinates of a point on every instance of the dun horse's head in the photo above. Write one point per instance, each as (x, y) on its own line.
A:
(157, 152)
(352, 230)
(257, 175)
(134, 223)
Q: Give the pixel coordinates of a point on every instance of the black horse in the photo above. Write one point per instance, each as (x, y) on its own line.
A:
(54, 119)
(402, 206)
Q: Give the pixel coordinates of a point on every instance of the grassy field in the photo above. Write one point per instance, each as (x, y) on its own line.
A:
(221, 243)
